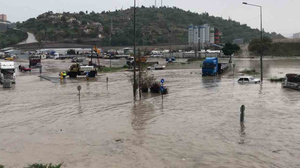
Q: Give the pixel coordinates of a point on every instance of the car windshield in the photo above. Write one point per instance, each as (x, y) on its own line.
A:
(208, 65)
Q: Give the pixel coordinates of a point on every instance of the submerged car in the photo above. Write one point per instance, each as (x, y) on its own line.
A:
(156, 67)
(76, 59)
(291, 81)
(248, 79)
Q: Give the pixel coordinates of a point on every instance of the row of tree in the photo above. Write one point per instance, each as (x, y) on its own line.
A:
(11, 37)
(153, 25)
(271, 48)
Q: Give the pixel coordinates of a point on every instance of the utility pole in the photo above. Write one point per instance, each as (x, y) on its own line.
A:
(111, 28)
(261, 46)
(134, 54)
(140, 74)
(261, 40)
(155, 3)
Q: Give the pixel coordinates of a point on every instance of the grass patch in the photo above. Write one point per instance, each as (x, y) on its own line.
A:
(195, 59)
(1, 166)
(275, 79)
(39, 165)
(112, 69)
(249, 72)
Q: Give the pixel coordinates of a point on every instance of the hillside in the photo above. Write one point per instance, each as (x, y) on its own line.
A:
(10, 37)
(154, 26)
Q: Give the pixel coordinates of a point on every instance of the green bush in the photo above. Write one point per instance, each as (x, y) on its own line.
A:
(11, 37)
(155, 87)
(39, 165)
(249, 72)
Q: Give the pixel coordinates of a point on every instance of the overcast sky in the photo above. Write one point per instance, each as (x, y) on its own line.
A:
(281, 16)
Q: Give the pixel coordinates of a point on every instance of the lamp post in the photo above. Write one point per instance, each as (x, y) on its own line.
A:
(134, 54)
(261, 40)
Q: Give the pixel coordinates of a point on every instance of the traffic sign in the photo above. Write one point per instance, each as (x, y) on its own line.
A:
(79, 88)
(162, 81)
(162, 89)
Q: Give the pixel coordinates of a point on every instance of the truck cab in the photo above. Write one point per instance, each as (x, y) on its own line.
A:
(7, 72)
(35, 62)
(210, 66)
(56, 55)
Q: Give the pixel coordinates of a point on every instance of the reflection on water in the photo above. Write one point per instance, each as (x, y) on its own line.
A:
(242, 133)
(196, 124)
(210, 81)
(142, 112)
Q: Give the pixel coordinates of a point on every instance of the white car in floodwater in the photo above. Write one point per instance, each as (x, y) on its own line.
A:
(248, 79)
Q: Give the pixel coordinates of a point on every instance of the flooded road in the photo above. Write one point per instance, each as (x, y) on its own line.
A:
(195, 125)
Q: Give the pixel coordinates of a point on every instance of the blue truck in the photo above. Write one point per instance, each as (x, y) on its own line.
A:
(212, 67)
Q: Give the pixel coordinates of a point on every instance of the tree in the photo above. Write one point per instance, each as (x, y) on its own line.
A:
(255, 45)
(230, 49)
(71, 52)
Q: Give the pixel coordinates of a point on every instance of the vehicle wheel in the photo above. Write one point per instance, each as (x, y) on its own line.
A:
(72, 75)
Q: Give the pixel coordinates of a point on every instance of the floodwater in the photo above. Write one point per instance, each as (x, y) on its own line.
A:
(195, 125)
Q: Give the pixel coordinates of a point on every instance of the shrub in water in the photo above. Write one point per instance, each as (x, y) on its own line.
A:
(144, 88)
(39, 165)
(155, 87)
(165, 90)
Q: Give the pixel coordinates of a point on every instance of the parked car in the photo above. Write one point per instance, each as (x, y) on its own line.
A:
(248, 79)
(156, 67)
(157, 55)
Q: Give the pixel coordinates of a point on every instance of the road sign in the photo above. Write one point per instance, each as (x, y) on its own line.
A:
(162, 81)
(162, 89)
(79, 88)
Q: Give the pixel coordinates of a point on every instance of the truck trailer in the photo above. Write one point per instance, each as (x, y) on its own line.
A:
(212, 67)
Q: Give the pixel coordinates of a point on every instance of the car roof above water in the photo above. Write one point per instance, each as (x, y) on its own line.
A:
(246, 77)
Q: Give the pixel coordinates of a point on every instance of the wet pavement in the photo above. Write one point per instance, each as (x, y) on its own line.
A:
(195, 125)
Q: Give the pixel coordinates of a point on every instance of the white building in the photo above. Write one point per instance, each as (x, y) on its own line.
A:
(296, 35)
(201, 36)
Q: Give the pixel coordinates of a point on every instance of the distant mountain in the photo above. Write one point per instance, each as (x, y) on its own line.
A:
(153, 26)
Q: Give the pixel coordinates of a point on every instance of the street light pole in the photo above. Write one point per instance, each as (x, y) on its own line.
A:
(134, 54)
(261, 40)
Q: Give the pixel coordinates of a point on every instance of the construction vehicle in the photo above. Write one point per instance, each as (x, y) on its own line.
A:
(81, 70)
